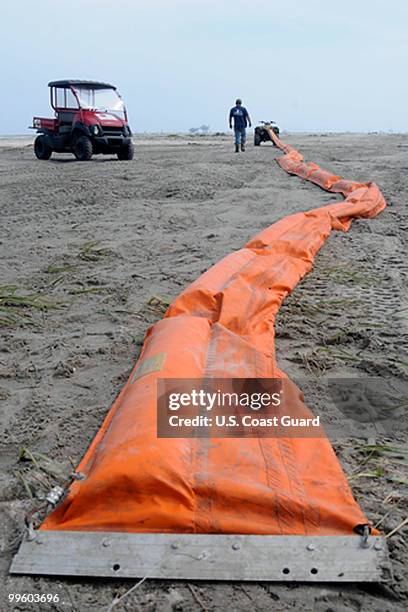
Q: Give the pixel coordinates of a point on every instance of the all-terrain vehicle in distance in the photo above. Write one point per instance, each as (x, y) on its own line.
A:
(261, 133)
(90, 117)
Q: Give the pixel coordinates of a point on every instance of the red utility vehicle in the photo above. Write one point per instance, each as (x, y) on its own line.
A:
(90, 117)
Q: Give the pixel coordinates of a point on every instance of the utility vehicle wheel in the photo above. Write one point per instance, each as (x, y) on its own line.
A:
(83, 149)
(41, 149)
(257, 139)
(126, 152)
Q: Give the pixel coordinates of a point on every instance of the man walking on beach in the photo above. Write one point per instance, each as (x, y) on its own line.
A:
(241, 120)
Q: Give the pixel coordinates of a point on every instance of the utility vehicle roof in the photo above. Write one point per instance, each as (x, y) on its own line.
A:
(82, 84)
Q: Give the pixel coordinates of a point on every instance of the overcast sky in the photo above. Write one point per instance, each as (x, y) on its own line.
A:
(311, 66)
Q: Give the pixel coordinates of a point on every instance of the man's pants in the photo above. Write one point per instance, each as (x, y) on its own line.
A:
(240, 136)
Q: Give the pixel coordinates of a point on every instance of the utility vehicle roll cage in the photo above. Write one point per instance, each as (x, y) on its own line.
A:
(71, 85)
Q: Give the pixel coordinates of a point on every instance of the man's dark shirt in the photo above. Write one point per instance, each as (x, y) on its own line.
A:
(240, 116)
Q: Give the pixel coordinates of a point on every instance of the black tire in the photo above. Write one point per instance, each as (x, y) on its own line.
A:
(126, 152)
(276, 131)
(41, 149)
(83, 148)
(257, 139)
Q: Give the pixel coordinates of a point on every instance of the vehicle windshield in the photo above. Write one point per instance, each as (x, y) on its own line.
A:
(100, 100)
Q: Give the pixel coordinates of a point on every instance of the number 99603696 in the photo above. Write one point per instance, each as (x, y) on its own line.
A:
(33, 598)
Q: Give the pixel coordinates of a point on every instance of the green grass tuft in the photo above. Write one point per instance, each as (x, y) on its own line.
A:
(16, 308)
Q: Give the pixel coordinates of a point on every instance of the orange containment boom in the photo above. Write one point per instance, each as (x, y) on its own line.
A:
(168, 495)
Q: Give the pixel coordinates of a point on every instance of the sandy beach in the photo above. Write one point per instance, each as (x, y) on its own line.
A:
(99, 249)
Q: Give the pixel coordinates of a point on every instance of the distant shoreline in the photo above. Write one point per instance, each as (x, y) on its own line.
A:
(31, 136)
(211, 139)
